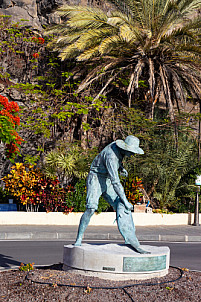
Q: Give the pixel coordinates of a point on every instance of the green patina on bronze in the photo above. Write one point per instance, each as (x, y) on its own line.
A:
(142, 264)
(103, 179)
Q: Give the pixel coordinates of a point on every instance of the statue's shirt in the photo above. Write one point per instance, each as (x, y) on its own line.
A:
(108, 162)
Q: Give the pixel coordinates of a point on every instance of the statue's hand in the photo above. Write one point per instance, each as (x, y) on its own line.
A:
(127, 206)
(124, 173)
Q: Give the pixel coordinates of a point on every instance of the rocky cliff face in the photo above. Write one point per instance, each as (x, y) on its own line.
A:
(37, 12)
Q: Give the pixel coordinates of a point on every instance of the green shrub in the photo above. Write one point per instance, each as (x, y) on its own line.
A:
(4, 196)
(76, 198)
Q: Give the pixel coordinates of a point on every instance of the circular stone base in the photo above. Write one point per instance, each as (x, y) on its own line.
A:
(116, 261)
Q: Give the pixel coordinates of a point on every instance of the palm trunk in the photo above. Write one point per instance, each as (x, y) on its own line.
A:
(150, 105)
(84, 136)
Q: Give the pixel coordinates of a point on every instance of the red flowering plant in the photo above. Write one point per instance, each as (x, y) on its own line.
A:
(133, 189)
(9, 121)
(38, 40)
(36, 55)
(41, 40)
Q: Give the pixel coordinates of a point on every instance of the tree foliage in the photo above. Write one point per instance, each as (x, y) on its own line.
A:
(163, 168)
(68, 162)
(138, 53)
(153, 39)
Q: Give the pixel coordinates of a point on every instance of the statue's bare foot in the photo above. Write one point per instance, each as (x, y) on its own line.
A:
(141, 251)
(78, 243)
(137, 248)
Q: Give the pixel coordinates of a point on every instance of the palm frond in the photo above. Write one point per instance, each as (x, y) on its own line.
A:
(112, 78)
(108, 44)
(127, 33)
(73, 11)
(179, 91)
(134, 79)
(88, 54)
(166, 90)
(91, 79)
(68, 52)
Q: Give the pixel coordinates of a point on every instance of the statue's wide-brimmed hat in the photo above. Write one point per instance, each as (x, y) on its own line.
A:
(131, 144)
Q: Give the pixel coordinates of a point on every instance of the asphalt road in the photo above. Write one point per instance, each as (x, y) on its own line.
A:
(12, 253)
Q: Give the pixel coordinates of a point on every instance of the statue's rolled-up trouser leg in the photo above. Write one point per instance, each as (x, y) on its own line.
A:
(126, 227)
(84, 221)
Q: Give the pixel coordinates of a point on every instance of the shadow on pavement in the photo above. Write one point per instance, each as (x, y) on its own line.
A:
(7, 262)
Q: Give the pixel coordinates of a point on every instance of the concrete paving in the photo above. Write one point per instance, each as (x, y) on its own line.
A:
(182, 233)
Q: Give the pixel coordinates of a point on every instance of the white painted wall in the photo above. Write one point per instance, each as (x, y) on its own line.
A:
(104, 219)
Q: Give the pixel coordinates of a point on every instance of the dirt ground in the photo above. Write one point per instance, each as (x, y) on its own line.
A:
(54, 284)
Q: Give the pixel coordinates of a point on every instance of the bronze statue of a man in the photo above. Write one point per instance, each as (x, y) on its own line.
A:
(103, 179)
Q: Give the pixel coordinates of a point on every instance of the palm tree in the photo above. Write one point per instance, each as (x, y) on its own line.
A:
(171, 172)
(158, 40)
(163, 168)
(67, 162)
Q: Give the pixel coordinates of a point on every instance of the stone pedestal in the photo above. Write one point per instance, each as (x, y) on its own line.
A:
(116, 261)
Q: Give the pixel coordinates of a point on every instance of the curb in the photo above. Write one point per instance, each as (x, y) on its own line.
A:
(94, 236)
